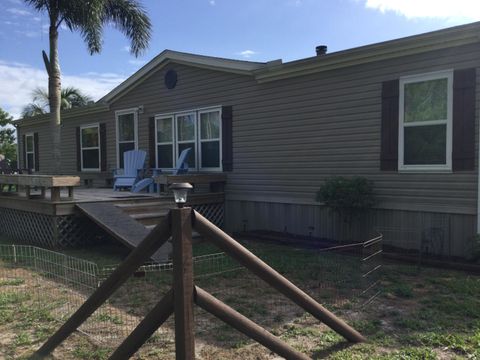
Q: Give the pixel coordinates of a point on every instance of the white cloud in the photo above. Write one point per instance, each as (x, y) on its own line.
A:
(27, 33)
(247, 53)
(137, 62)
(296, 3)
(18, 80)
(126, 48)
(212, 2)
(459, 9)
(16, 11)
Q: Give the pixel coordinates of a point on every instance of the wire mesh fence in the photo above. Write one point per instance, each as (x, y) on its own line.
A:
(341, 277)
(420, 243)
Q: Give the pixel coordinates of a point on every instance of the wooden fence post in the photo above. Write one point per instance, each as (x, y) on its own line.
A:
(183, 283)
(157, 237)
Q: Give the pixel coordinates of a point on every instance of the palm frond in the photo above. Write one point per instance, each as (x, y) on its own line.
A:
(70, 97)
(38, 5)
(129, 17)
(89, 17)
(73, 97)
(40, 96)
(32, 109)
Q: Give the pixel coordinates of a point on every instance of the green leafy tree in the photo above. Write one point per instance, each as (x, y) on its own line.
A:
(89, 18)
(70, 97)
(7, 138)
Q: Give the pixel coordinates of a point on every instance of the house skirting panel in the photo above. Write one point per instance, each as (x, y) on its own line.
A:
(47, 231)
(435, 233)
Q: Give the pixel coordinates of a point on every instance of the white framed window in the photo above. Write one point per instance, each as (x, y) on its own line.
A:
(127, 132)
(165, 152)
(90, 147)
(30, 151)
(210, 141)
(425, 122)
(186, 136)
(199, 130)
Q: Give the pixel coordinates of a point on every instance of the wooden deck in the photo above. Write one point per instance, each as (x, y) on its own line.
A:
(126, 216)
(19, 200)
(214, 181)
(52, 182)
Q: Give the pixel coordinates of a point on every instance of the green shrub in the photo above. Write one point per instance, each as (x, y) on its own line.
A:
(347, 196)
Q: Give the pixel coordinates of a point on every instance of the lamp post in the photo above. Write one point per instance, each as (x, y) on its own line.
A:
(180, 191)
(183, 273)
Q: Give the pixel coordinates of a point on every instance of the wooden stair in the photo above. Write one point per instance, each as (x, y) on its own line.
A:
(147, 212)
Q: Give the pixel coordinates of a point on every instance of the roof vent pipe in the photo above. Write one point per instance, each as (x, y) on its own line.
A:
(321, 50)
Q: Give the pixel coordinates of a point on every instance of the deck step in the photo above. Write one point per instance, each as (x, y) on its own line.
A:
(146, 207)
(149, 218)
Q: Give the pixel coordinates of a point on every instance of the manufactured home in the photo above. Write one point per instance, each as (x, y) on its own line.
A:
(402, 113)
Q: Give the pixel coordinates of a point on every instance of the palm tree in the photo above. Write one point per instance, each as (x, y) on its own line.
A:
(70, 97)
(88, 17)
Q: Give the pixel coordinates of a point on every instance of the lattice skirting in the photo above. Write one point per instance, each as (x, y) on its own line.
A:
(214, 212)
(48, 231)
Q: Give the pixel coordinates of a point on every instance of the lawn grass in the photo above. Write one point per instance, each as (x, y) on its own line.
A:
(421, 314)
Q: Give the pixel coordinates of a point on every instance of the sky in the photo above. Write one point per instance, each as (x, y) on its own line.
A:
(255, 30)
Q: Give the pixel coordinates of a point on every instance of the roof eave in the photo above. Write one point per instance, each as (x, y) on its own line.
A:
(441, 39)
(168, 56)
(65, 114)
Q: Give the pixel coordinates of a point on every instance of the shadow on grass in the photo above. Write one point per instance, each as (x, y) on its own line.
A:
(333, 348)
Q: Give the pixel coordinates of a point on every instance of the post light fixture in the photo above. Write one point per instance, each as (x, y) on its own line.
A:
(180, 191)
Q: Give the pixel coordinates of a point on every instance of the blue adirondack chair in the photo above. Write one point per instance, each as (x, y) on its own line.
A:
(133, 164)
(181, 168)
(182, 165)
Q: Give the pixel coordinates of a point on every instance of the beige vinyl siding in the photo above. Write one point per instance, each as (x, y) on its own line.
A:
(289, 135)
(69, 144)
(69, 140)
(44, 146)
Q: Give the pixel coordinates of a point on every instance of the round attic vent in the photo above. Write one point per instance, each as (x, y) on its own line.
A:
(170, 79)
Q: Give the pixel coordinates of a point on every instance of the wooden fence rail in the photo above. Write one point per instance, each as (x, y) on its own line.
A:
(184, 294)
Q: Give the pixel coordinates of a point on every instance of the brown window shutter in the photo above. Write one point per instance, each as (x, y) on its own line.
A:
(103, 147)
(227, 138)
(37, 154)
(151, 143)
(389, 131)
(463, 146)
(79, 155)
(24, 142)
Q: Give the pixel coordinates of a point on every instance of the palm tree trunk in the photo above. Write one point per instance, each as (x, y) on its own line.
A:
(54, 88)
